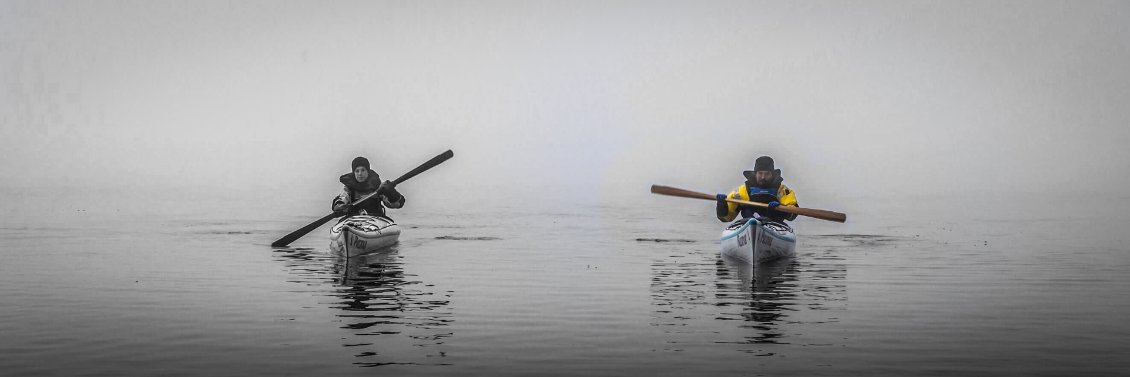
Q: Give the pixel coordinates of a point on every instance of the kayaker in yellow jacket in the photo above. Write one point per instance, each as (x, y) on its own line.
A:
(764, 185)
(363, 181)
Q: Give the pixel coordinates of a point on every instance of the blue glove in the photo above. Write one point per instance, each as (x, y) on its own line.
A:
(774, 204)
(721, 197)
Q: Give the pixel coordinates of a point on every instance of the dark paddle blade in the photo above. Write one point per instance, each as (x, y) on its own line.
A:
(427, 165)
(286, 240)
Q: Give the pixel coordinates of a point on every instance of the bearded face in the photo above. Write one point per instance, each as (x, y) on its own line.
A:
(763, 178)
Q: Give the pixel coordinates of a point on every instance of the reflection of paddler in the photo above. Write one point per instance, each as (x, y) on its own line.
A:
(370, 269)
(758, 277)
(375, 297)
(766, 298)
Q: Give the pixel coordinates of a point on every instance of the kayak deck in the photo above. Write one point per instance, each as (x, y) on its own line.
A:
(757, 240)
(363, 234)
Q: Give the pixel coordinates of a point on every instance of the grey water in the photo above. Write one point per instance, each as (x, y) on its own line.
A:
(97, 287)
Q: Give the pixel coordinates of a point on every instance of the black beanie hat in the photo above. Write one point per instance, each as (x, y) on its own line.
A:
(763, 163)
(360, 161)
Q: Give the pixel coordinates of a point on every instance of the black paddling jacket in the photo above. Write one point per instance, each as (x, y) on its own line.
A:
(387, 196)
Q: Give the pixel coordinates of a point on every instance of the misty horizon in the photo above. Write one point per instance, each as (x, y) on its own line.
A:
(590, 102)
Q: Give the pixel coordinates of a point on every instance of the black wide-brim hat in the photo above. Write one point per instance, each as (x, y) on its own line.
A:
(763, 163)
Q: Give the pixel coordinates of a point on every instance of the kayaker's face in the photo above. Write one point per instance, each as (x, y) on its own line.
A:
(764, 178)
(361, 173)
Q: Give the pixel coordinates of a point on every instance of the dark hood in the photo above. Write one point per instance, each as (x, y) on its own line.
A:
(369, 185)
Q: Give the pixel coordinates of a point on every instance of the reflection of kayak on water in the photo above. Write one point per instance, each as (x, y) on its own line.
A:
(756, 277)
(758, 240)
(363, 234)
(379, 268)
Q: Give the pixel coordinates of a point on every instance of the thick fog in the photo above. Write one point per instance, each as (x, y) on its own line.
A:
(568, 101)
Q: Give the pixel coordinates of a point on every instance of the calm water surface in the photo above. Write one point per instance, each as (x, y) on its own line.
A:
(102, 288)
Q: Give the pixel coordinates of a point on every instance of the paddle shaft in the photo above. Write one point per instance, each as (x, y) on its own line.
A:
(815, 213)
(287, 239)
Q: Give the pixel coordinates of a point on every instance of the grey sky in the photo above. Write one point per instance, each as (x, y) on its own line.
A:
(579, 99)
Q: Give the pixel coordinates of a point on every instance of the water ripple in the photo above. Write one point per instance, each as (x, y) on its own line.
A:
(692, 293)
(376, 297)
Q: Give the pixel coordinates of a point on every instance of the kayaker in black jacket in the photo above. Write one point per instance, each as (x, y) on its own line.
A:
(364, 181)
(763, 184)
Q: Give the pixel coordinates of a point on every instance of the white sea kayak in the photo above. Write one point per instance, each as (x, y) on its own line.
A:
(363, 234)
(758, 240)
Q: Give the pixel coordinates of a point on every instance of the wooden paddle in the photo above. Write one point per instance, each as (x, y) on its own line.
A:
(817, 213)
(287, 239)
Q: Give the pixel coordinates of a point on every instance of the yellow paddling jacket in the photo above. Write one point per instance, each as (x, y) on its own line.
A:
(781, 194)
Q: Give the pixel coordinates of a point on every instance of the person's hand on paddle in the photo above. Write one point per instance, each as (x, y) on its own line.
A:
(388, 190)
(341, 207)
(720, 197)
(774, 204)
